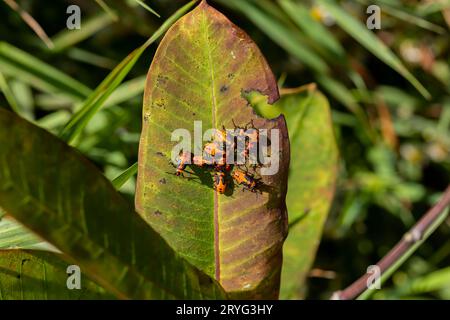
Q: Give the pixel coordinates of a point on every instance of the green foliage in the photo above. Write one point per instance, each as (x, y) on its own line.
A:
(34, 275)
(394, 144)
(75, 208)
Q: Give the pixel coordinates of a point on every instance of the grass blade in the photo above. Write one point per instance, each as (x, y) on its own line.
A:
(299, 13)
(147, 7)
(23, 66)
(107, 9)
(4, 87)
(126, 91)
(68, 38)
(96, 100)
(119, 181)
(371, 42)
(280, 34)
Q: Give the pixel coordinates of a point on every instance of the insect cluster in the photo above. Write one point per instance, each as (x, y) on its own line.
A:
(214, 158)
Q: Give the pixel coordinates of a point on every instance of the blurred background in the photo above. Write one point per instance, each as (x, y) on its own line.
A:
(391, 112)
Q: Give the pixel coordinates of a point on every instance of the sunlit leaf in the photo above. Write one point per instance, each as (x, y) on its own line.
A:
(200, 70)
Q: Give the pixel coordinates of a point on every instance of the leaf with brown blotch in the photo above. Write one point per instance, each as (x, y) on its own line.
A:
(312, 178)
(201, 68)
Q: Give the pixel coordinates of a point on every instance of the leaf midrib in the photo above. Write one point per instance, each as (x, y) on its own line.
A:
(214, 125)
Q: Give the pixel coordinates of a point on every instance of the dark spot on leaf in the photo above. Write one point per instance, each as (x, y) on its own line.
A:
(224, 89)
(160, 103)
(193, 113)
(157, 212)
(230, 75)
(18, 276)
(159, 153)
(163, 181)
(25, 260)
(160, 79)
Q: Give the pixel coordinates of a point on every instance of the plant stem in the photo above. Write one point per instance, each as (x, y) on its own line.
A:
(417, 233)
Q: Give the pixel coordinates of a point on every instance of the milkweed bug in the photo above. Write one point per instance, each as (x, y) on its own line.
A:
(220, 184)
(182, 161)
(245, 179)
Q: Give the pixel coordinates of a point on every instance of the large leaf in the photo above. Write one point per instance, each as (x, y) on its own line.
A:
(34, 275)
(201, 68)
(312, 175)
(57, 193)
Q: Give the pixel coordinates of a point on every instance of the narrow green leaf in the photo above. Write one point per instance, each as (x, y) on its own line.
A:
(199, 72)
(371, 42)
(27, 68)
(107, 9)
(410, 18)
(96, 100)
(57, 193)
(23, 95)
(146, 7)
(119, 181)
(90, 58)
(68, 38)
(312, 177)
(35, 275)
(300, 14)
(4, 87)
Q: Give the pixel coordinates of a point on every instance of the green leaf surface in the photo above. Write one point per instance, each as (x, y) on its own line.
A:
(34, 275)
(312, 176)
(147, 7)
(200, 70)
(5, 88)
(57, 193)
(371, 42)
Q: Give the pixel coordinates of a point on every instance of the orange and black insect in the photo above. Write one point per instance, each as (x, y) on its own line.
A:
(245, 179)
(220, 185)
(252, 138)
(183, 160)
